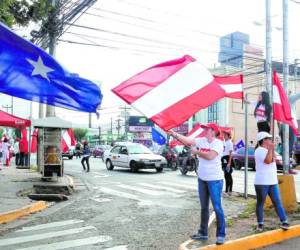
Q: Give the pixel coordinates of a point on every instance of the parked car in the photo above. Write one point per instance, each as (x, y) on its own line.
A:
(98, 151)
(238, 158)
(70, 153)
(134, 156)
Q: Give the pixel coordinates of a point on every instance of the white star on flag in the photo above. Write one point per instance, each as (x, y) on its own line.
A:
(40, 68)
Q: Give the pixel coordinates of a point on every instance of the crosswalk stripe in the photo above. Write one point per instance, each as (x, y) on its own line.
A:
(118, 193)
(145, 191)
(193, 187)
(50, 225)
(70, 243)
(35, 237)
(123, 247)
(162, 187)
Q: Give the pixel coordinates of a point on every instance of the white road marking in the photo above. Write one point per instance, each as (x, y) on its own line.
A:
(123, 247)
(118, 193)
(70, 243)
(50, 225)
(101, 175)
(187, 186)
(23, 239)
(100, 200)
(162, 187)
(146, 191)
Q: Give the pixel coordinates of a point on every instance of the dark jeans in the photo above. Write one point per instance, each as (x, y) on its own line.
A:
(85, 159)
(263, 127)
(17, 159)
(261, 194)
(227, 175)
(23, 159)
(212, 190)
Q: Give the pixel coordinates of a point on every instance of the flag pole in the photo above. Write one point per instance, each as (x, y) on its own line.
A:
(246, 150)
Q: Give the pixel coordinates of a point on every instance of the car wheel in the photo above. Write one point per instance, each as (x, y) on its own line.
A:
(70, 157)
(237, 164)
(109, 165)
(133, 166)
(159, 170)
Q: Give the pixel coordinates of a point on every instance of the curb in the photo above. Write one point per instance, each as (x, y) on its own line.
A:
(15, 214)
(252, 241)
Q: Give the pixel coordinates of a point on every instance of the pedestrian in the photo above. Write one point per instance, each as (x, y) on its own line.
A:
(209, 151)
(266, 182)
(1, 153)
(262, 112)
(17, 152)
(5, 152)
(227, 162)
(77, 150)
(86, 156)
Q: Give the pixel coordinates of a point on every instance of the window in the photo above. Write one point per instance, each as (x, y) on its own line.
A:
(213, 113)
(116, 150)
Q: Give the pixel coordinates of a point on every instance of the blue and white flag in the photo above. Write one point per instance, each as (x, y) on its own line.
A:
(240, 144)
(28, 72)
(158, 137)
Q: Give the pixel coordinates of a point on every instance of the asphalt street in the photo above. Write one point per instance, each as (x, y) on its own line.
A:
(118, 210)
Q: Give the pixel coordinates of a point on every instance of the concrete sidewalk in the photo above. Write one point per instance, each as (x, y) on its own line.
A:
(15, 185)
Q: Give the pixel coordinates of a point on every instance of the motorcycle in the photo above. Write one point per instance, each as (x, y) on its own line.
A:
(187, 162)
(171, 158)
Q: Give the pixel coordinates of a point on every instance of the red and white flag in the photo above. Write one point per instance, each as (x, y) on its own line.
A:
(232, 85)
(281, 106)
(196, 132)
(67, 140)
(171, 92)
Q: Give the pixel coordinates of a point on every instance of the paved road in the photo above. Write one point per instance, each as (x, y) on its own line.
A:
(115, 210)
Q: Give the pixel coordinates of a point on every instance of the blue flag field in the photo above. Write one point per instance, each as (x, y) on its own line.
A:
(28, 72)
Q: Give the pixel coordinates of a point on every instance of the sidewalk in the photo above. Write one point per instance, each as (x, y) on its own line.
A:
(16, 184)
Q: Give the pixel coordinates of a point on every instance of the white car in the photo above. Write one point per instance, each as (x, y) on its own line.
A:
(134, 156)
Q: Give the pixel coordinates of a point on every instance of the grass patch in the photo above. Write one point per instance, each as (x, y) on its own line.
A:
(229, 222)
(249, 210)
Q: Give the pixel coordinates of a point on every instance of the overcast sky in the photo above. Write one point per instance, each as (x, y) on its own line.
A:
(137, 34)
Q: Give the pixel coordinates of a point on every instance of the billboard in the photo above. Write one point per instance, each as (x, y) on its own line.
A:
(138, 124)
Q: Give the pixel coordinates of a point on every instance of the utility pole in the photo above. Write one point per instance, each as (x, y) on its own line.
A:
(118, 127)
(53, 19)
(7, 107)
(125, 108)
(268, 48)
(99, 129)
(90, 120)
(285, 127)
(111, 129)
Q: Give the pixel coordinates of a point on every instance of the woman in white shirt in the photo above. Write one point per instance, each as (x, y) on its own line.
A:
(262, 112)
(210, 178)
(266, 182)
(227, 162)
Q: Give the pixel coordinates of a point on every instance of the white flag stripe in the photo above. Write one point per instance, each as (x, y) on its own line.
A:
(184, 83)
(69, 243)
(120, 194)
(50, 225)
(196, 133)
(146, 191)
(162, 188)
(232, 88)
(276, 96)
(67, 138)
(35, 237)
(187, 186)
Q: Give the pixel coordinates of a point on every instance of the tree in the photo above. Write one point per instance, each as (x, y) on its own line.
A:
(79, 133)
(21, 12)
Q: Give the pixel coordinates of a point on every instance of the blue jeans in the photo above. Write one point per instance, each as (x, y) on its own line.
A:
(212, 190)
(261, 194)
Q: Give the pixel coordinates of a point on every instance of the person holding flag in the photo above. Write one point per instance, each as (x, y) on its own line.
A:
(209, 150)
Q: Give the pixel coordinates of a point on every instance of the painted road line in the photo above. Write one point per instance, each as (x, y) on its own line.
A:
(162, 187)
(23, 239)
(100, 200)
(146, 191)
(119, 193)
(187, 186)
(123, 247)
(50, 225)
(70, 243)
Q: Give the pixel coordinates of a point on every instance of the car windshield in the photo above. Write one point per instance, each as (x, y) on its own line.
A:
(138, 149)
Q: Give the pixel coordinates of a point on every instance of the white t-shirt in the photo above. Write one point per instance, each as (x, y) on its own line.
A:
(260, 113)
(228, 146)
(210, 170)
(266, 174)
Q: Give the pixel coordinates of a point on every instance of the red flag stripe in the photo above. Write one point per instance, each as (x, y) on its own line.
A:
(233, 85)
(140, 84)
